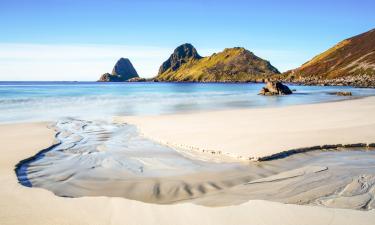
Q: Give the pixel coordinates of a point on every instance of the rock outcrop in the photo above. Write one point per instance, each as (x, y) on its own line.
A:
(231, 65)
(137, 79)
(349, 63)
(275, 88)
(107, 77)
(122, 71)
(181, 55)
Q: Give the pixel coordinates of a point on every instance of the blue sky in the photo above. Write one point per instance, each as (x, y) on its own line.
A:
(82, 39)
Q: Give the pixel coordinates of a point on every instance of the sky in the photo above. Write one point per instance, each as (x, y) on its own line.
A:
(80, 40)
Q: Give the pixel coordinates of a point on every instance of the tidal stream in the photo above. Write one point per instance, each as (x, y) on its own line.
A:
(98, 158)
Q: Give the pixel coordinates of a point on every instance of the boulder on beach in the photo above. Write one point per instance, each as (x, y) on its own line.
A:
(275, 88)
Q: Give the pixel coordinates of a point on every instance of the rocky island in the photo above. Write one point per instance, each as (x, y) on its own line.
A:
(349, 63)
(122, 71)
(231, 65)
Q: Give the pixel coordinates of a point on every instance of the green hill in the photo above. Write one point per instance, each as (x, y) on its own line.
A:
(231, 65)
(350, 62)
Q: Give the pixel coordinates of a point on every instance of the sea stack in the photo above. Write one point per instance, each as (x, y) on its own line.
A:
(122, 71)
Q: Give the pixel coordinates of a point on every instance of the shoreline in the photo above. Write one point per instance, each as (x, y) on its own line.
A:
(285, 124)
(327, 83)
(201, 110)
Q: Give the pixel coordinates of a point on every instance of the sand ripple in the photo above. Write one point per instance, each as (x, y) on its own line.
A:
(95, 158)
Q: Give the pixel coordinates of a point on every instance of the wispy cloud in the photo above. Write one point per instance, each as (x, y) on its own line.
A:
(74, 52)
(87, 62)
(74, 62)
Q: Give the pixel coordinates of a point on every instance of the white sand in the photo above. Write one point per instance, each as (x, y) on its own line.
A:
(129, 166)
(254, 133)
(21, 205)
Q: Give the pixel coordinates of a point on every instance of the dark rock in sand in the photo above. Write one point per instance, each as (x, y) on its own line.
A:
(356, 145)
(275, 88)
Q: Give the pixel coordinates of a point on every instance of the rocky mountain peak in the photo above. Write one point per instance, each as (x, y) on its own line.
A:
(231, 65)
(124, 68)
(182, 54)
(122, 71)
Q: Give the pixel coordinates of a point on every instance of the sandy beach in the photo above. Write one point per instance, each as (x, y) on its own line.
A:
(256, 133)
(187, 112)
(338, 122)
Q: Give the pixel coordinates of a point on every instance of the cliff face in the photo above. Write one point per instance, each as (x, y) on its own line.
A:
(122, 71)
(124, 68)
(231, 65)
(181, 55)
(350, 62)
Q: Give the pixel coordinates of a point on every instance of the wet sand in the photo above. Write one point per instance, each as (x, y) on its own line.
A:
(342, 178)
(96, 158)
(23, 205)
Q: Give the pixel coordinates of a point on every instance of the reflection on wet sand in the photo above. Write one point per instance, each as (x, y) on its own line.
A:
(94, 158)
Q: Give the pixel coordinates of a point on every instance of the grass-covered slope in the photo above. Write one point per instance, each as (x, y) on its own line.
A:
(230, 65)
(350, 62)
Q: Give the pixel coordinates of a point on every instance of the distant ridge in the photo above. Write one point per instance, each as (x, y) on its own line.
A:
(350, 62)
(231, 65)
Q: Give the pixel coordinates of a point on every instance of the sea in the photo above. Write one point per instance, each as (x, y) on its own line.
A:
(50, 101)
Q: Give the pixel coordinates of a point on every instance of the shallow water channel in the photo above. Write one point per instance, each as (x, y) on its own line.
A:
(98, 158)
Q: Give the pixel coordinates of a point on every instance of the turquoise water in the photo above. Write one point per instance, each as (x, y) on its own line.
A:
(32, 101)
